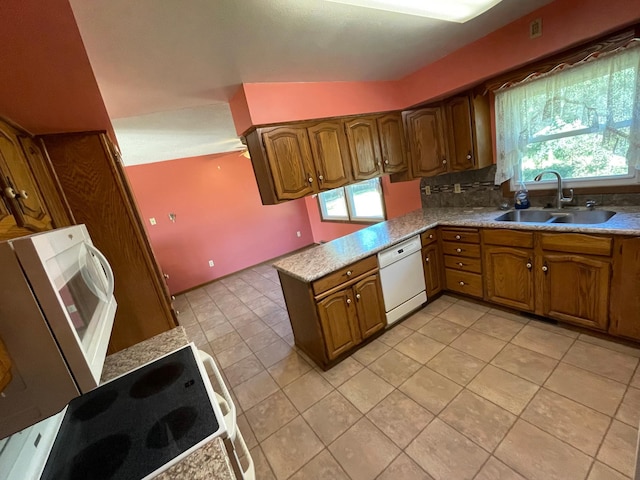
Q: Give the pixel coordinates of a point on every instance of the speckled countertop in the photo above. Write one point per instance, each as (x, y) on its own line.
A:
(321, 260)
(208, 462)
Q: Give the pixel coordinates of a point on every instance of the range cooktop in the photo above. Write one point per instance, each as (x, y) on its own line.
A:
(130, 427)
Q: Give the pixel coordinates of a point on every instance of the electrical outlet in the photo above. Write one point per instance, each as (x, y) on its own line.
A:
(298, 233)
(152, 221)
(456, 188)
(535, 28)
(211, 263)
(427, 190)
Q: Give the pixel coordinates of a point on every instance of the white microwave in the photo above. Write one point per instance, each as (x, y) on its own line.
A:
(56, 314)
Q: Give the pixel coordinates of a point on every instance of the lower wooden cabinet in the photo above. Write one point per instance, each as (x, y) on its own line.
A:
(334, 314)
(433, 268)
(624, 305)
(575, 289)
(509, 277)
(462, 260)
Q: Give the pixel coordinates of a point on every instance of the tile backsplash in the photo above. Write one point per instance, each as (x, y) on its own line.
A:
(478, 190)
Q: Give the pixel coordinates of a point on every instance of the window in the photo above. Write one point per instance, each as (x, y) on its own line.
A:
(582, 121)
(360, 202)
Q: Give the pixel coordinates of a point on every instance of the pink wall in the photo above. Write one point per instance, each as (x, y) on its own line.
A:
(564, 23)
(399, 198)
(219, 217)
(47, 82)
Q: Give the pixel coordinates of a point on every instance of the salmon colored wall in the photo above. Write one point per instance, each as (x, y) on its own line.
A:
(47, 84)
(219, 217)
(399, 198)
(284, 102)
(564, 23)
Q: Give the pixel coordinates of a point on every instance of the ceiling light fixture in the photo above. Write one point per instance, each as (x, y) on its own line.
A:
(451, 10)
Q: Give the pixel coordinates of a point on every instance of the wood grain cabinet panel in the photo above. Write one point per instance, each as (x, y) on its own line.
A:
(433, 269)
(369, 305)
(509, 277)
(364, 147)
(392, 143)
(427, 144)
(338, 316)
(576, 289)
(290, 162)
(330, 155)
(460, 132)
(624, 307)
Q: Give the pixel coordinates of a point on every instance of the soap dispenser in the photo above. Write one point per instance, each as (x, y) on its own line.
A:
(522, 197)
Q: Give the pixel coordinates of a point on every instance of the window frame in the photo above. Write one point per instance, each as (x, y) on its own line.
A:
(349, 204)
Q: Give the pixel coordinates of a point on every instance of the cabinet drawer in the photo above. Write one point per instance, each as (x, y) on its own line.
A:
(344, 274)
(429, 237)
(468, 235)
(464, 282)
(461, 249)
(508, 238)
(576, 243)
(463, 264)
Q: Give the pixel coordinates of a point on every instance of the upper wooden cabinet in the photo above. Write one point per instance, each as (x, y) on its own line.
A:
(427, 147)
(23, 210)
(392, 143)
(330, 155)
(364, 147)
(449, 137)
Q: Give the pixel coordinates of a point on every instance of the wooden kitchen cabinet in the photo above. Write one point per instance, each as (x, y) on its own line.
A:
(624, 306)
(392, 143)
(97, 191)
(364, 147)
(23, 210)
(427, 144)
(462, 259)
(432, 262)
(330, 155)
(334, 314)
(508, 268)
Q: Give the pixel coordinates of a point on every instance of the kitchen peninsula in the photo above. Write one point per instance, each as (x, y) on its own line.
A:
(582, 274)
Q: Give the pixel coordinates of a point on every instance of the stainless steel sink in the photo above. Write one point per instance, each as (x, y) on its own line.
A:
(557, 216)
(587, 216)
(538, 216)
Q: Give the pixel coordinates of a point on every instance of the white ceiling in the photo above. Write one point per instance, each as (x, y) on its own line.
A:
(167, 68)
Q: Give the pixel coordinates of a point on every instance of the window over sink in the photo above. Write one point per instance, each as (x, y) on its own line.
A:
(361, 202)
(581, 120)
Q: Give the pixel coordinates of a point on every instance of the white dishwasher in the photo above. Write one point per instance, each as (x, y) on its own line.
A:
(402, 278)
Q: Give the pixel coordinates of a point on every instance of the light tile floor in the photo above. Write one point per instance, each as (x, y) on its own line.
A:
(457, 391)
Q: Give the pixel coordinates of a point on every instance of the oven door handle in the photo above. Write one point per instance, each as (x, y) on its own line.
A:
(107, 269)
(230, 417)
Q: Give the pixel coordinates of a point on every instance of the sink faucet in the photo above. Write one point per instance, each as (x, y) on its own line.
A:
(560, 198)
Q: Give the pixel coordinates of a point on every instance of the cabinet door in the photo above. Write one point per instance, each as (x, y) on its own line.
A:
(19, 186)
(509, 277)
(289, 156)
(433, 268)
(369, 305)
(330, 155)
(364, 147)
(338, 318)
(576, 289)
(426, 142)
(392, 143)
(460, 136)
(624, 308)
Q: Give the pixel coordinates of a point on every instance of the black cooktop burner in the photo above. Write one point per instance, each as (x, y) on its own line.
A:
(130, 427)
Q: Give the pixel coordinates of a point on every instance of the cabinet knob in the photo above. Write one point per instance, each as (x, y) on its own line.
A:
(357, 296)
(386, 162)
(458, 250)
(458, 237)
(320, 178)
(430, 236)
(462, 284)
(310, 179)
(545, 268)
(348, 301)
(469, 157)
(349, 273)
(165, 275)
(177, 312)
(22, 194)
(426, 259)
(444, 161)
(173, 297)
(460, 264)
(9, 192)
(529, 265)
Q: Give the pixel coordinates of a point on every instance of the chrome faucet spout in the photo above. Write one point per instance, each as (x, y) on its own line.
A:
(560, 198)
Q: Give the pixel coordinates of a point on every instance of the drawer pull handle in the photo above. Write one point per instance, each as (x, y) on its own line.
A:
(545, 268)
(458, 237)
(426, 259)
(462, 284)
(430, 236)
(460, 264)
(348, 301)
(529, 265)
(458, 250)
(357, 296)
(349, 273)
